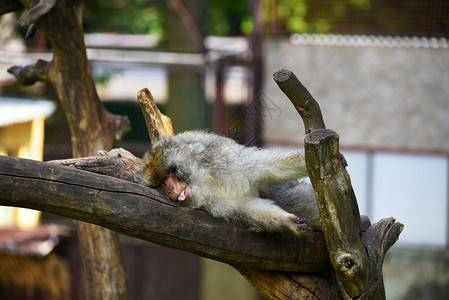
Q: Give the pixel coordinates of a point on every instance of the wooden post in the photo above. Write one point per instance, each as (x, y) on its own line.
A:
(92, 127)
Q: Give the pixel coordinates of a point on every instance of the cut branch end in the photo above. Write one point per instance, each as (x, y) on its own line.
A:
(158, 125)
(300, 97)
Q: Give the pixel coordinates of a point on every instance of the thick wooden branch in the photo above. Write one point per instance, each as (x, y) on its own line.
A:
(292, 285)
(144, 213)
(303, 101)
(272, 284)
(119, 163)
(340, 224)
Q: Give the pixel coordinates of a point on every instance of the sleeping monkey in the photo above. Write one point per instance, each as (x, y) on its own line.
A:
(259, 188)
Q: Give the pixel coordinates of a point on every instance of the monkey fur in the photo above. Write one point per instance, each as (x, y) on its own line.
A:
(259, 188)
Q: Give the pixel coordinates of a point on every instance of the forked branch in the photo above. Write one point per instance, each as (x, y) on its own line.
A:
(357, 261)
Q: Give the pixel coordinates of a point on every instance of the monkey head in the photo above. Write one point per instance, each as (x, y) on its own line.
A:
(168, 166)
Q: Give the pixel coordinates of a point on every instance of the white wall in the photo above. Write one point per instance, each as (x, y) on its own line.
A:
(411, 188)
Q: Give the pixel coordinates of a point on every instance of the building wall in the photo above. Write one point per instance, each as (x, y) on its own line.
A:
(373, 96)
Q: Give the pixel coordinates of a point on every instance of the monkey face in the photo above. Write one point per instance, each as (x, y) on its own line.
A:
(175, 189)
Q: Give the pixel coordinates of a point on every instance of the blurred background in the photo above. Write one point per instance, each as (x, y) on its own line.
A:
(378, 69)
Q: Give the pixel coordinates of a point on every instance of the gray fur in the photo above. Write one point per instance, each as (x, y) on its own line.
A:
(258, 188)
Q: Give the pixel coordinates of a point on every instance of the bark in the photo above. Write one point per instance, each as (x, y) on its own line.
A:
(92, 127)
(334, 195)
(158, 125)
(292, 285)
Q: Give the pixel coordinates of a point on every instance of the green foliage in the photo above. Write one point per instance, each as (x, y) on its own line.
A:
(306, 16)
(124, 16)
(147, 16)
(228, 18)
(247, 25)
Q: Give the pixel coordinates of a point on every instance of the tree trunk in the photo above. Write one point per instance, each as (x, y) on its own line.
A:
(92, 127)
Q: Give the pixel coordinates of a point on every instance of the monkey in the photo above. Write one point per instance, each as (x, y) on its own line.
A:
(261, 189)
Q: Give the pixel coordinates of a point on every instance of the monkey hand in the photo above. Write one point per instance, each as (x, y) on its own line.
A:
(299, 226)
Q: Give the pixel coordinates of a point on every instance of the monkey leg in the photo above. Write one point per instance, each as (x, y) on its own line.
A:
(264, 215)
(276, 166)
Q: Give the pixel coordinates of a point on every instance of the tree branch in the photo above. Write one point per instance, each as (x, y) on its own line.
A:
(118, 163)
(377, 240)
(334, 195)
(303, 101)
(158, 125)
(144, 213)
(31, 74)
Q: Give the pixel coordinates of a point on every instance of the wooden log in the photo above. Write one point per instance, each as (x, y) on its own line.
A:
(271, 284)
(144, 213)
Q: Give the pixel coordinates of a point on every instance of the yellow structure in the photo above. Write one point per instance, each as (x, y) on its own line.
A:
(22, 135)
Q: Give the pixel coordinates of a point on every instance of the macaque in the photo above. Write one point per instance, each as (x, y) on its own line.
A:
(260, 189)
